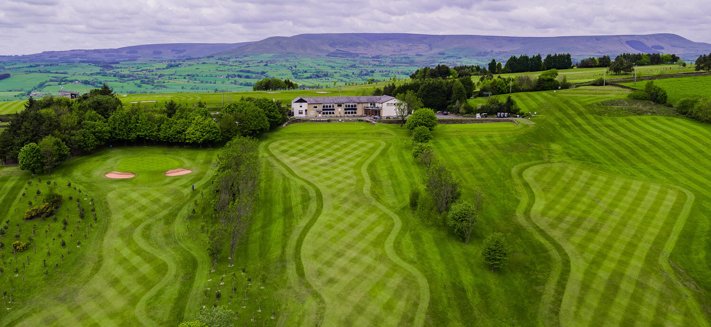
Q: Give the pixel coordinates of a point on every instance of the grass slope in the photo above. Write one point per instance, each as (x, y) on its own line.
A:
(550, 187)
(606, 216)
(679, 88)
(614, 230)
(348, 255)
(653, 149)
(581, 75)
(142, 270)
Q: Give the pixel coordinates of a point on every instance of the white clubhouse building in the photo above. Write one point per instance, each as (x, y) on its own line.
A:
(350, 106)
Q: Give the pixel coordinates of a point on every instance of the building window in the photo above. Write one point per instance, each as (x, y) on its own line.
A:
(350, 106)
(351, 111)
(301, 112)
(328, 106)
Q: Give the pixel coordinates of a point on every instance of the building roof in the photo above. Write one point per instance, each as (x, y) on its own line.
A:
(342, 100)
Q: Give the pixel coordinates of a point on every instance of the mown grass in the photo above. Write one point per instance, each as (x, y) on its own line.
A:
(142, 267)
(616, 200)
(606, 216)
(11, 107)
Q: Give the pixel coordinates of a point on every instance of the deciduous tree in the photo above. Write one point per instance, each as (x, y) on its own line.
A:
(461, 220)
(442, 186)
(30, 158)
(422, 117)
(53, 151)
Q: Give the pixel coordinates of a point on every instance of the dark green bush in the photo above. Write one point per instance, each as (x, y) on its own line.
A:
(421, 134)
(422, 117)
(46, 209)
(414, 198)
(20, 246)
(639, 95)
(495, 252)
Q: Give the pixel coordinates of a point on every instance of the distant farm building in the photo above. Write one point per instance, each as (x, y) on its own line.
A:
(69, 94)
(349, 106)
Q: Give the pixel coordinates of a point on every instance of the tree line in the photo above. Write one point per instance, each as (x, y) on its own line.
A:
(273, 84)
(58, 127)
(441, 203)
(444, 71)
(525, 63)
(547, 80)
(440, 94)
(592, 62)
(703, 62)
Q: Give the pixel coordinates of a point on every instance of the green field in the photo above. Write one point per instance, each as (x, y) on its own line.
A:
(599, 211)
(606, 213)
(581, 75)
(11, 107)
(679, 88)
(218, 100)
(142, 267)
(203, 75)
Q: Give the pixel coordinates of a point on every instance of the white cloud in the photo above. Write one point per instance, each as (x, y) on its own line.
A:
(28, 26)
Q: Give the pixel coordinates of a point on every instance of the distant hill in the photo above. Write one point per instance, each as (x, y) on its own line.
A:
(173, 51)
(423, 48)
(477, 46)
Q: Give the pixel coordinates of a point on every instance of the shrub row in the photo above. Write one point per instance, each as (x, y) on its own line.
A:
(46, 209)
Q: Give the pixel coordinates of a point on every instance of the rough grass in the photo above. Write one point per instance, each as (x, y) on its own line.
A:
(142, 269)
(679, 88)
(580, 75)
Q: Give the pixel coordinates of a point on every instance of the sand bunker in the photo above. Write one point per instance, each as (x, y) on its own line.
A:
(177, 172)
(119, 175)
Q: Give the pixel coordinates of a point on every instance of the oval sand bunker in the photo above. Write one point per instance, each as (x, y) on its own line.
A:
(119, 175)
(177, 172)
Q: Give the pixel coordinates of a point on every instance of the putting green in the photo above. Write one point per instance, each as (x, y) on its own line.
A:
(149, 164)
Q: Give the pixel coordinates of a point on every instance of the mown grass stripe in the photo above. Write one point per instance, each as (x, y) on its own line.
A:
(615, 310)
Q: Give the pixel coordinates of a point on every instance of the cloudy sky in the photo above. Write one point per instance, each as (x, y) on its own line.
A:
(29, 26)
